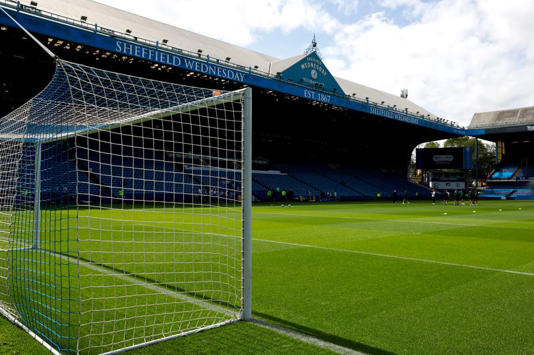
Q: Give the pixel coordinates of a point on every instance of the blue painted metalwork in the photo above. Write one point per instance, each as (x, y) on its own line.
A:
(105, 39)
(310, 71)
(468, 158)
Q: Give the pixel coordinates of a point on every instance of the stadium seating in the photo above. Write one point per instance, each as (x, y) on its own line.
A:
(270, 180)
(106, 176)
(58, 177)
(510, 181)
(145, 176)
(314, 176)
(517, 189)
(387, 183)
(504, 172)
(497, 193)
(350, 180)
(345, 183)
(528, 172)
(508, 193)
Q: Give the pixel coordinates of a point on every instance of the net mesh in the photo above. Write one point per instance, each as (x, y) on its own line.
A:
(121, 210)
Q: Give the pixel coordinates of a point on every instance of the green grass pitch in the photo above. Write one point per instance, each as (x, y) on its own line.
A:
(379, 278)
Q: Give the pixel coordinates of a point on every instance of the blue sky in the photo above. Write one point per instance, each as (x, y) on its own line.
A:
(345, 12)
(456, 57)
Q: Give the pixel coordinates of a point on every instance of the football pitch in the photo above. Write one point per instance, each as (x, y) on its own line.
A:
(378, 278)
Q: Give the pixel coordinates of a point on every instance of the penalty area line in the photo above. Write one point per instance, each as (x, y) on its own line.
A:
(398, 257)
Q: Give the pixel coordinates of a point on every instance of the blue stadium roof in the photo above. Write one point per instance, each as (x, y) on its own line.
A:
(100, 26)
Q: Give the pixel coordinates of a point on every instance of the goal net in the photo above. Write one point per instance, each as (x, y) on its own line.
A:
(123, 210)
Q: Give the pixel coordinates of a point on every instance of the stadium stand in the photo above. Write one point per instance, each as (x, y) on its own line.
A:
(504, 172)
(328, 182)
(136, 177)
(271, 180)
(386, 183)
(508, 181)
(528, 172)
(513, 176)
(311, 176)
(504, 118)
(290, 113)
(509, 192)
(370, 132)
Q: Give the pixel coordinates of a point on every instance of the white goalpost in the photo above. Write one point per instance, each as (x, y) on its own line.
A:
(125, 210)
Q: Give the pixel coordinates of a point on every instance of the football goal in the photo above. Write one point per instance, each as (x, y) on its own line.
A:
(124, 210)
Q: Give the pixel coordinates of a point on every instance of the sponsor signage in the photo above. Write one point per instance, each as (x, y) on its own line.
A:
(379, 111)
(444, 158)
(175, 60)
(318, 83)
(210, 68)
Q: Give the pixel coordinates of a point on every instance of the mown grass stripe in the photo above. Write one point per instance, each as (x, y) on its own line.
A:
(150, 284)
(408, 220)
(307, 338)
(406, 258)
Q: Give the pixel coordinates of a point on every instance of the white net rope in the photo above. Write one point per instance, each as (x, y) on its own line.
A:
(121, 210)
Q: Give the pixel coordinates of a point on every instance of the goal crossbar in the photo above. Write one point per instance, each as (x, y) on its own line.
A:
(158, 114)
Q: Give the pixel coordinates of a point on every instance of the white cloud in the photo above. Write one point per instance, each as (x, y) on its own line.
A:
(458, 57)
(510, 23)
(347, 7)
(408, 7)
(234, 21)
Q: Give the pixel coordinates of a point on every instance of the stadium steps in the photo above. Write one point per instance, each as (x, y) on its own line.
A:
(262, 187)
(497, 193)
(357, 174)
(385, 187)
(517, 172)
(504, 172)
(306, 183)
(259, 190)
(345, 185)
(386, 183)
(180, 167)
(285, 182)
(104, 190)
(528, 172)
(367, 181)
(307, 174)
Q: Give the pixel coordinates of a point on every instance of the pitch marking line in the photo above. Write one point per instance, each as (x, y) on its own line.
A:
(386, 220)
(150, 286)
(279, 329)
(306, 338)
(407, 258)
